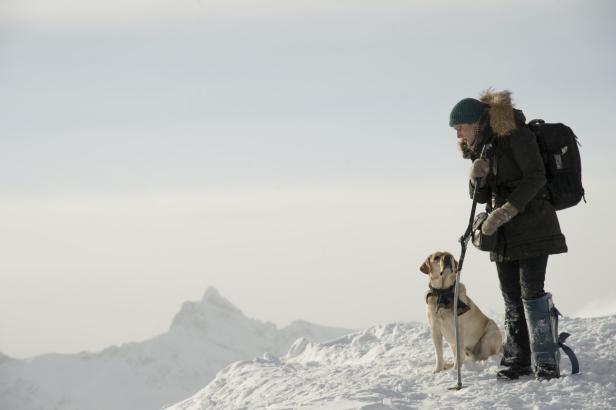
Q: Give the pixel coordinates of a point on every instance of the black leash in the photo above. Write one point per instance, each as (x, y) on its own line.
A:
(463, 243)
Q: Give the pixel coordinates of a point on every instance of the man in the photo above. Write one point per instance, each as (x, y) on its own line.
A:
(513, 181)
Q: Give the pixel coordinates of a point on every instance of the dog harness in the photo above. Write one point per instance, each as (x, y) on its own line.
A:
(444, 299)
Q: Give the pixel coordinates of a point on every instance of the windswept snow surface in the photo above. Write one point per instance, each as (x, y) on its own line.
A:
(596, 308)
(390, 367)
(205, 336)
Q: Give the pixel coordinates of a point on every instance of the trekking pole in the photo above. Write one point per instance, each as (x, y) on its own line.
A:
(463, 243)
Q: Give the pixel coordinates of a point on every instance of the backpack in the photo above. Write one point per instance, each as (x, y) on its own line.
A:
(563, 167)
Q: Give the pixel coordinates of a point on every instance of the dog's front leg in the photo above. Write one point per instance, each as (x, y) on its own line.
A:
(437, 340)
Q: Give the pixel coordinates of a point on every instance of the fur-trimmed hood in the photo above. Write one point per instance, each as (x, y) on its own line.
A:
(501, 111)
(499, 119)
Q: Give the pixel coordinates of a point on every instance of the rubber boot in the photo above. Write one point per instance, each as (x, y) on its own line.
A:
(516, 347)
(541, 317)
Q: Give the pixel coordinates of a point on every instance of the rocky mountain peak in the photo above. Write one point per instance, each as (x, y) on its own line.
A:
(212, 308)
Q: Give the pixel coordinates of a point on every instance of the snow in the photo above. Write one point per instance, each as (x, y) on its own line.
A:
(597, 308)
(390, 367)
(204, 337)
(215, 357)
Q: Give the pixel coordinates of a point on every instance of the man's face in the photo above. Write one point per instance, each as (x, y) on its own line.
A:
(466, 132)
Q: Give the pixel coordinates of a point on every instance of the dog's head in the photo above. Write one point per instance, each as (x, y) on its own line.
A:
(440, 266)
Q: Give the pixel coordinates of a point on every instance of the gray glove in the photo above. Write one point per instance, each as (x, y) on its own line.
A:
(497, 218)
(479, 171)
(480, 168)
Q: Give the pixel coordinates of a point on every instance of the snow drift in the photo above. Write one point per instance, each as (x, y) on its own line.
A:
(204, 337)
(601, 307)
(390, 367)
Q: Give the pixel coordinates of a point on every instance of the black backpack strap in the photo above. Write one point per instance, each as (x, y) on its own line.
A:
(535, 122)
(575, 365)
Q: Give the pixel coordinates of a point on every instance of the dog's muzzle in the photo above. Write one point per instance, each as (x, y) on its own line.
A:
(447, 263)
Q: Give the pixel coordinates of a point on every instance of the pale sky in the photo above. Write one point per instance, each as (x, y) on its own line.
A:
(294, 154)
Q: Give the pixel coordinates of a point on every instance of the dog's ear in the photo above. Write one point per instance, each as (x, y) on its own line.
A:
(426, 267)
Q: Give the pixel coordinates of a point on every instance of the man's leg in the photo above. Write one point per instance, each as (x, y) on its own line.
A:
(541, 318)
(516, 347)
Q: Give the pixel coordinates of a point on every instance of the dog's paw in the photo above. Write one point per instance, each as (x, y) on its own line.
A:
(448, 366)
(438, 369)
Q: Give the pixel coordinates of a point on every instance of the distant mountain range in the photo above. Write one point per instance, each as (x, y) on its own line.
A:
(204, 337)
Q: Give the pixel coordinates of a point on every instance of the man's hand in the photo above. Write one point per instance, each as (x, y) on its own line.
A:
(480, 168)
(497, 218)
(479, 171)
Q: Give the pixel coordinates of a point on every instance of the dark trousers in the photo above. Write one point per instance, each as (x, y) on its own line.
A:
(521, 279)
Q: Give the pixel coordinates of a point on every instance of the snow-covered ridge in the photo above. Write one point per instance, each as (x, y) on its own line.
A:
(390, 367)
(203, 338)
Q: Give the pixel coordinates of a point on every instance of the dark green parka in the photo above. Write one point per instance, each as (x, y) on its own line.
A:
(517, 175)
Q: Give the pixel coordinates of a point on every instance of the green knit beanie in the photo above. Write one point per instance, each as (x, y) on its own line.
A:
(467, 111)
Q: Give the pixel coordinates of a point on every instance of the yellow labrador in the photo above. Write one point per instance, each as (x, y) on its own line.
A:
(480, 338)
